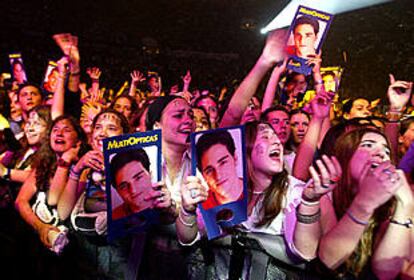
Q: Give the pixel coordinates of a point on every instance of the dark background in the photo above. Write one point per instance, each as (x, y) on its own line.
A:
(219, 40)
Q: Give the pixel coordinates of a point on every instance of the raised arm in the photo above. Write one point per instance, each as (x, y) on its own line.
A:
(271, 87)
(58, 104)
(398, 94)
(309, 226)
(320, 107)
(272, 53)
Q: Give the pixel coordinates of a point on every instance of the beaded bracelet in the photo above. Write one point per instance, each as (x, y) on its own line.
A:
(355, 219)
(188, 214)
(308, 219)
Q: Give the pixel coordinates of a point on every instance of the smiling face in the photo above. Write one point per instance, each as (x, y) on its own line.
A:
(299, 126)
(107, 125)
(133, 183)
(177, 123)
(267, 153)
(219, 169)
(63, 136)
(35, 129)
(373, 148)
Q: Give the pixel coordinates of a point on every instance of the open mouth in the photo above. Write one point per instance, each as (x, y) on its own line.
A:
(60, 142)
(274, 154)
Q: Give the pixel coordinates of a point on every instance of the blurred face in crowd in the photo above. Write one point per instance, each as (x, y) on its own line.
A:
(51, 82)
(361, 108)
(297, 85)
(267, 152)
(29, 97)
(133, 183)
(154, 84)
(35, 129)
(407, 138)
(279, 120)
(210, 106)
(373, 148)
(123, 105)
(299, 126)
(329, 83)
(15, 109)
(252, 112)
(63, 136)
(219, 169)
(107, 125)
(304, 37)
(177, 123)
(18, 73)
(201, 120)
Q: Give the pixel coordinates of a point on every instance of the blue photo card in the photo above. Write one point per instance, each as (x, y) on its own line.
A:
(132, 166)
(219, 157)
(18, 71)
(306, 35)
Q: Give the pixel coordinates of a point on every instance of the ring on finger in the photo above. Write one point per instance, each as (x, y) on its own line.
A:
(161, 198)
(193, 193)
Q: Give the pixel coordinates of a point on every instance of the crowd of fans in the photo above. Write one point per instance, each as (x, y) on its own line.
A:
(329, 180)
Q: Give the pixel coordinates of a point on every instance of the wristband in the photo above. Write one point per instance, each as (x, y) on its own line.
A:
(7, 175)
(308, 219)
(75, 73)
(184, 222)
(356, 220)
(309, 203)
(95, 80)
(319, 82)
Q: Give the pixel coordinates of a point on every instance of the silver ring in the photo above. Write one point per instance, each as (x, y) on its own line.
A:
(387, 171)
(161, 198)
(193, 193)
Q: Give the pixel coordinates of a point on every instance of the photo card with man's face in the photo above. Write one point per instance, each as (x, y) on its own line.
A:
(306, 35)
(218, 156)
(132, 172)
(17, 68)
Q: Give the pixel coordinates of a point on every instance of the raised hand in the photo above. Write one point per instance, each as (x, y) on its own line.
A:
(192, 193)
(398, 93)
(137, 77)
(377, 184)
(274, 49)
(94, 73)
(92, 159)
(71, 155)
(325, 180)
(62, 65)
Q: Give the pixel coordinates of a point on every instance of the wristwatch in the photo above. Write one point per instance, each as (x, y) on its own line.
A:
(408, 223)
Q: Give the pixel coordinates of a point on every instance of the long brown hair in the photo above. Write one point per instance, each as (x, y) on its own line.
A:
(275, 193)
(46, 159)
(345, 192)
